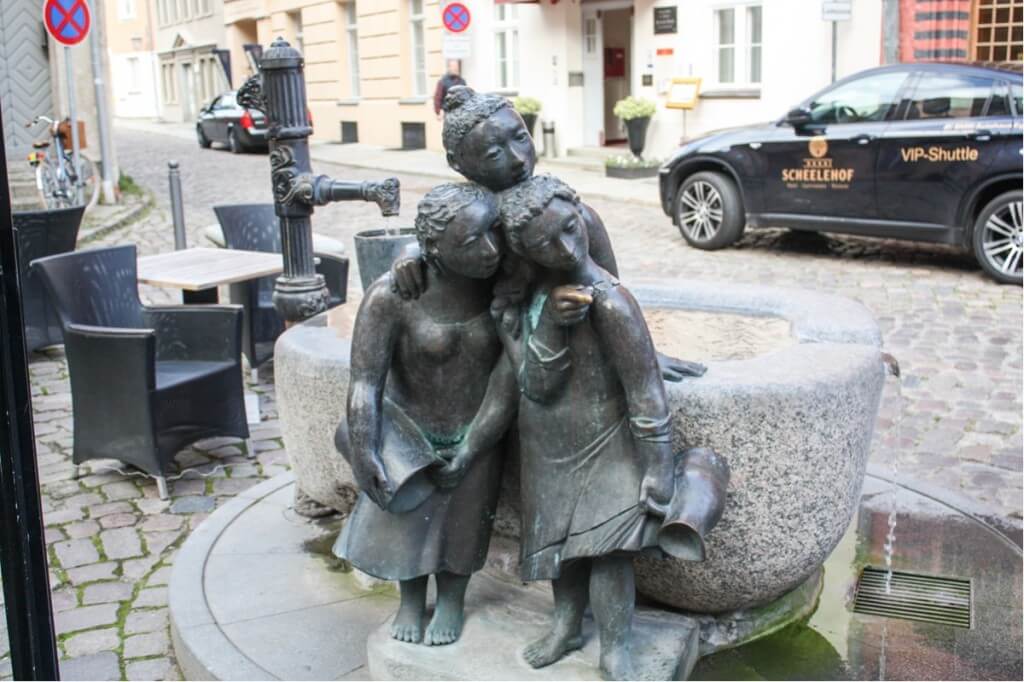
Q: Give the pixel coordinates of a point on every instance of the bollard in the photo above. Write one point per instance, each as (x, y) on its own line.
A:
(550, 152)
(177, 209)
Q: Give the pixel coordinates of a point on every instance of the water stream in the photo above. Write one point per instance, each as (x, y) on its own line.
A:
(391, 226)
(893, 377)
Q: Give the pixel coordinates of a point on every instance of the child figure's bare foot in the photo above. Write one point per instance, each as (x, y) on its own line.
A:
(408, 623)
(446, 625)
(551, 647)
(617, 663)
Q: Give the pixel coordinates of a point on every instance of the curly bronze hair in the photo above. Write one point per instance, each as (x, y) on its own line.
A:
(520, 204)
(464, 108)
(440, 206)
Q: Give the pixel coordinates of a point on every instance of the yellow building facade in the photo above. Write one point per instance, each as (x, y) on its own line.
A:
(371, 65)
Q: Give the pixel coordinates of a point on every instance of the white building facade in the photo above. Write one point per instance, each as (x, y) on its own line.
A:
(755, 58)
(190, 72)
(133, 61)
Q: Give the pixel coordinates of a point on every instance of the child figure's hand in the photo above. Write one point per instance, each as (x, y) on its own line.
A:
(657, 487)
(568, 304)
(407, 277)
(452, 466)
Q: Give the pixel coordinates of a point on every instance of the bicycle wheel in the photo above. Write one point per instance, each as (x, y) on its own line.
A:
(52, 191)
(88, 185)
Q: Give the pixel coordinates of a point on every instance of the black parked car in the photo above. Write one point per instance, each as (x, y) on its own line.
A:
(927, 152)
(223, 120)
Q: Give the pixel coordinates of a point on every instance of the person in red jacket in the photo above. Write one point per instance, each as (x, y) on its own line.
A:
(450, 79)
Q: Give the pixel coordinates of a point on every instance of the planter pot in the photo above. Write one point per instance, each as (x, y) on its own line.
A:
(376, 250)
(636, 128)
(530, 120)
(630, 173)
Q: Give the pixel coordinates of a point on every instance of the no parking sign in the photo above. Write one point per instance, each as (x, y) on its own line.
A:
(455, 17)
(67, 21)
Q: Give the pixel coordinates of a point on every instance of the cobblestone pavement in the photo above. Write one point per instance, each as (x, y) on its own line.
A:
(112, 541)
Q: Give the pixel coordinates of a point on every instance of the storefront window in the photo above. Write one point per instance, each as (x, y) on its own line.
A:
(419, 54)
(737, 55)
(999, 31)
(506, 47)
(352, 31)
(726, 45)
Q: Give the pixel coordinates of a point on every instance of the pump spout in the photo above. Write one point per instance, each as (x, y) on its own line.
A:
(386, 193)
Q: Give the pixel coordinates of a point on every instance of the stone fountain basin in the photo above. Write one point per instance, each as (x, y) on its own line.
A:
(793, 414)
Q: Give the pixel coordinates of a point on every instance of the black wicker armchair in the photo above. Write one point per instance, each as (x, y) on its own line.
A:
(254, 227)
(39, 234)
(145, 381)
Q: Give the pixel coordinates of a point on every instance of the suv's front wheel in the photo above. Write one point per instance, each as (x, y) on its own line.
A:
(709, 211)
(998, 236)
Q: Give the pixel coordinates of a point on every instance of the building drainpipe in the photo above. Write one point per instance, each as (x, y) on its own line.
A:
(102, 111)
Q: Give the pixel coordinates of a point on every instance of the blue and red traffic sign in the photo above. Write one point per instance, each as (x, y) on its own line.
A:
(455, 17)
(67, 20)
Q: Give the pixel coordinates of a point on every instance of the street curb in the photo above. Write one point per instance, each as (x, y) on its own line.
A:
(137, 212)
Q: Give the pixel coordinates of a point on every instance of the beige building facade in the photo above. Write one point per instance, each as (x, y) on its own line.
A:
(371, 65)
(190, 73)
(131, 51)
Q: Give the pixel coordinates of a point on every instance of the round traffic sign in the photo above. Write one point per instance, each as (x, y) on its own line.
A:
(67, 20)
(455, 17)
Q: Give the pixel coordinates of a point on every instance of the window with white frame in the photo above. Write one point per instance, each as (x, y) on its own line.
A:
(737, 56)
(184, 9)
(295, 18)
(506, 46)
(133, 74)
(352, 37)
(419, 48)
(170, 93)
(126, 10)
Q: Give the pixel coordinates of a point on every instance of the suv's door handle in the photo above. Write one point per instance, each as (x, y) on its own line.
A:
(864, 139)
(983, 135)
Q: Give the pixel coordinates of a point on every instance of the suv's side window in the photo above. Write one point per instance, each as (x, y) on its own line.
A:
(864, 99)
(944, 95)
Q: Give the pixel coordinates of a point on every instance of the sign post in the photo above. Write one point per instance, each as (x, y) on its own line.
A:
(835, 11)
(68, 21)
(455, 43)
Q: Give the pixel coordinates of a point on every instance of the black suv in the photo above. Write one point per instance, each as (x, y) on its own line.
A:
(928, 152)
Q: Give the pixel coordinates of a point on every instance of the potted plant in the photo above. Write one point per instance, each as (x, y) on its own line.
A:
(636, 112)
(528, 108)
(630, 167)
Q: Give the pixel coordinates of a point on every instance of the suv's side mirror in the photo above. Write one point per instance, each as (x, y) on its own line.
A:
(800, 117)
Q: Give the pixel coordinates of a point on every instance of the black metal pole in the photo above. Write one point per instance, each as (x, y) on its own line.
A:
(279, 90)
(23, 550)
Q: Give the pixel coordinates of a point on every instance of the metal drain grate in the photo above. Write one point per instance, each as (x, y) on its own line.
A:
(926, 598)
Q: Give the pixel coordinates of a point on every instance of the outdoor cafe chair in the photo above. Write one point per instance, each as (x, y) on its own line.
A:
(254, 227)
(145, 381)
(38, 234)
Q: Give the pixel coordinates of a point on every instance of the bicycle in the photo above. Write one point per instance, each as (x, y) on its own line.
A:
(60, 185)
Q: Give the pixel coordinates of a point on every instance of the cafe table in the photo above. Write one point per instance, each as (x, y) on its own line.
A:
(199, 271)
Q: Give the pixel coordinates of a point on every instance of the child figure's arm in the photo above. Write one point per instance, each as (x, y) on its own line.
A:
(619, 323)
(499, 407)
(545, 363)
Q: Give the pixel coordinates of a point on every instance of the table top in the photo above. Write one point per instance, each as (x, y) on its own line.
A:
(205, 268)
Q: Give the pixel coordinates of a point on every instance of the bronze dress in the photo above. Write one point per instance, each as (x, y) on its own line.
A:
(451, 530)
(581, 472)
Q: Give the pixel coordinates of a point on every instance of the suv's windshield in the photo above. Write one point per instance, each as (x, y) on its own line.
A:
(865, 99)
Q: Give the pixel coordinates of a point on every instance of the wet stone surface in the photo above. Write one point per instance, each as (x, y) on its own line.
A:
(956, 334)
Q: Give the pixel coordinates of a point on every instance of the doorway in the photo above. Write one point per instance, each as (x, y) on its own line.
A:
(607, 54)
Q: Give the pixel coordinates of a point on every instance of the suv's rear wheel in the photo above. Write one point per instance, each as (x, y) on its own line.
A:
(709, 211)
(234, 144)
(998, 236)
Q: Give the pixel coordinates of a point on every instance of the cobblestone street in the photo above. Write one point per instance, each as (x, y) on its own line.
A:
(956, 334)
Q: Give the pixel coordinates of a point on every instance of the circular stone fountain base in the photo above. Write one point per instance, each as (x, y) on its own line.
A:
(256, 594)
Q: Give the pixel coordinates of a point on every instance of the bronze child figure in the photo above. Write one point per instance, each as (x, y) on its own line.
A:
(420, 371)
(594, 426)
